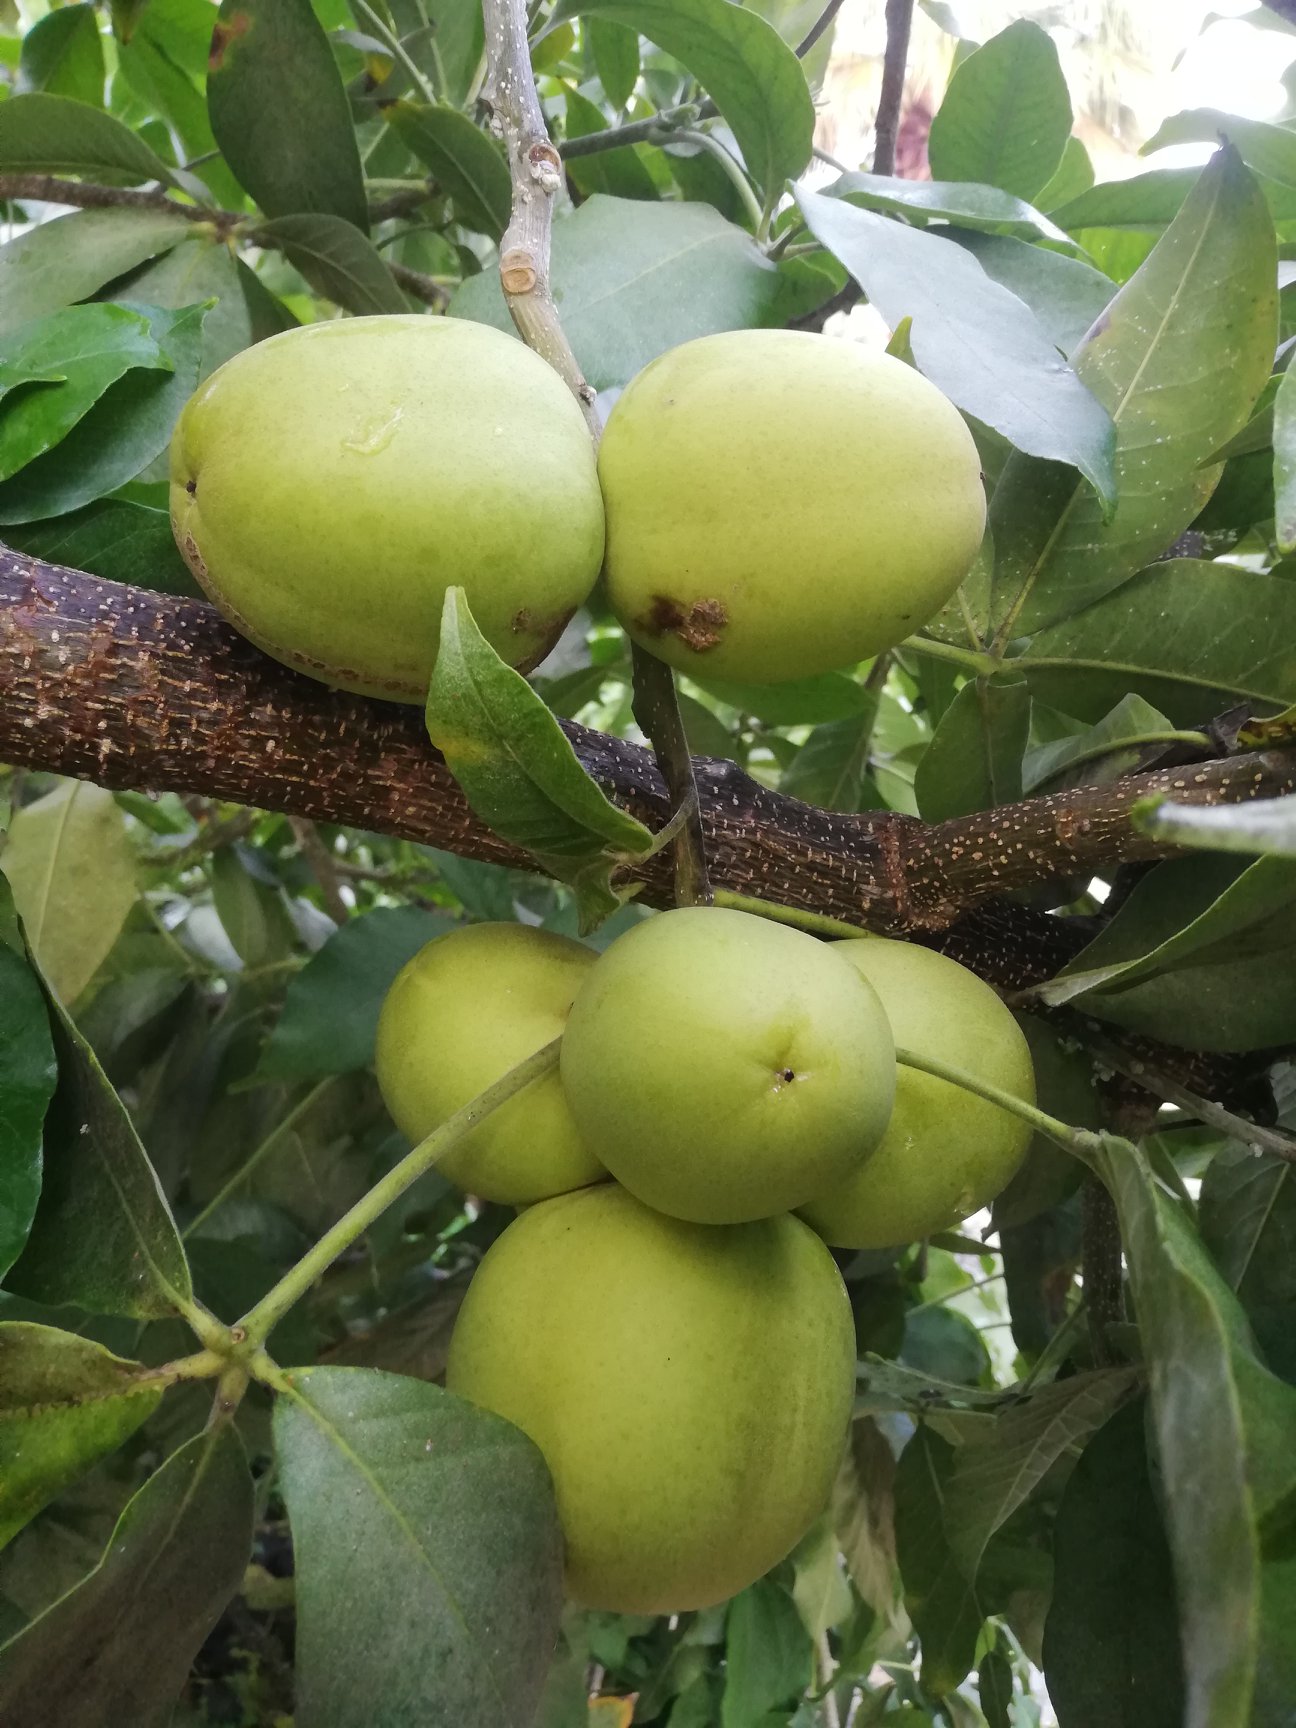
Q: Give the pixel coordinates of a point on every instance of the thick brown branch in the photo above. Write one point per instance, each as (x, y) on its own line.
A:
(131, 688)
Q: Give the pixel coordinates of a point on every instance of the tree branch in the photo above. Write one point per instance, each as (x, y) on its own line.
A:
(899, 18)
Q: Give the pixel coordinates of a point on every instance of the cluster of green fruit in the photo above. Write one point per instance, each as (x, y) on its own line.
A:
(678, 1345)
(766, 504)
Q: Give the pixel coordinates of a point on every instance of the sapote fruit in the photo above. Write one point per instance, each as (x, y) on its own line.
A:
(780, 504)
(725, 1067)
(328, 485)
(689, 1386)
(945, 1153)
(468, 1007)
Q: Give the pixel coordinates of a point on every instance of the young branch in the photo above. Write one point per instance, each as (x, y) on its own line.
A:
(899, 18)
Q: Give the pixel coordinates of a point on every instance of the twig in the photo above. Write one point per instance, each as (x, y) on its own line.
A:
(1162, 1085)
(816, 30)
(89, 195)
(536, 172)
(637, 131)
(323, 867)
(899, 17)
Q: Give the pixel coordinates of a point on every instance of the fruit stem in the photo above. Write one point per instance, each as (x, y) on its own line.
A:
(813, 923)
(656, 708)
(258, 1322)
(1076, 1140)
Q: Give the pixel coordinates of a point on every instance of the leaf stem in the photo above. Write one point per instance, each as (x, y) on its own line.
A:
(970, 659)
(259, 1321)
(202, 1365)
(1076, 1140)
(257, 1158)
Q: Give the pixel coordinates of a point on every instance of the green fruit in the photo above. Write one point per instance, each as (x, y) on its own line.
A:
(461, 1013)
(946, 1153)
(780, 504)
(726, 1067)
(689, 1387)
(329, 485)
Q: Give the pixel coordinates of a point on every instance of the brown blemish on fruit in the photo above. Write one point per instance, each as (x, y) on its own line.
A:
(698, 628)
(194, 558)
(191, 487)
(524, 623)
(238, 24)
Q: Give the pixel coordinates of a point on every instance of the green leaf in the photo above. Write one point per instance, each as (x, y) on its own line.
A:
(56, 263)
(1074, 175)
(57, 135)
(67, 361)
(1066, 295)
(1228, 1474)
(1006, 116)
(831, 769)
(944, 1607)
(279, 111)
(251, 912)
(27, 1076)
(769, 1656)
(863, 1516)
(119, 541)
(338, 262)
(164, 61)
(1189, 636)
(1284, 465)
(1268, 150)
(516, 768)
(1111, 1641)
(621, 173)
(1203, 307)
(420, 1524)
(1267, 827)
(974, 208)
(632, 280)
(1247, 1213)
(64, 1403)
(1202, 938)
(974, 339)
(129, 427)
(799, 702)
(62, 54)
(204, 268)
(72, 872)
(974, 761)
(1096, 754)
(331, 1007)
(118, 1648)
(753, 77)
(103, 1236)
(615, 49)
(465, 161)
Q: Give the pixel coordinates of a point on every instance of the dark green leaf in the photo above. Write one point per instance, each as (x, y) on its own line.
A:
(973, 208)
(752, 75)
(632, 280)
(1111, 1642)
(944, 1344)
(1066, 1089)
(769, 1656)
(621, 173)
(103, 1235)
(1190, 637)
(64, 1403)
(62, 54)
(67, 361)
(1203, 307)
(831, 769)
(127, 428)
(1006, 116)
(338, 262)
(515, 766)
(615, 49)
(944, 1607)
(58, 135)
(330, 1011)
(974, 760)
(56, 263)
(1066, 295)
(465, 161)
(27, 1076)
(974, 339)
(420, 1524)
(280, 113)
(1267, 827)
(995, 1689)
(117, 1649)
(1248, 1222)
(119, 541)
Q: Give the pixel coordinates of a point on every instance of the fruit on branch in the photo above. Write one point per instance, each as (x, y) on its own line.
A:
(689, 1386)
(467, 1008)
(725, 1067)
(945, 1153)
(780, 504)
(328, 485)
